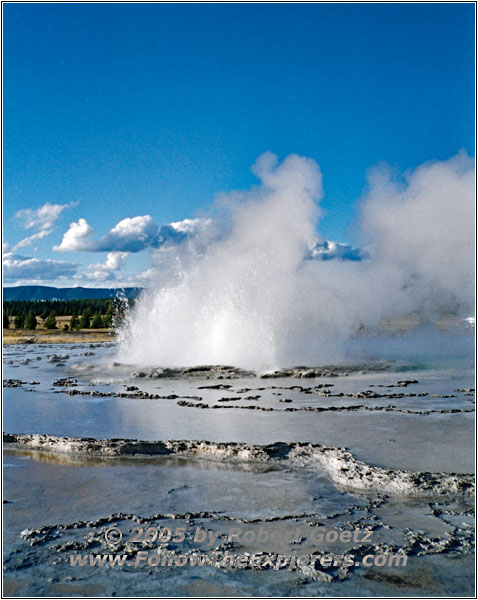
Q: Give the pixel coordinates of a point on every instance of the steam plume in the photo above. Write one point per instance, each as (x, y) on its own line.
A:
(246, 292)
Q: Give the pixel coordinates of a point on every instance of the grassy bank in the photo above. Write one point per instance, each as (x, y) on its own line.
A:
(53, 336)
(41, 335)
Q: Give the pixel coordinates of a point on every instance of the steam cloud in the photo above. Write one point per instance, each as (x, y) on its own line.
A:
(246, 292)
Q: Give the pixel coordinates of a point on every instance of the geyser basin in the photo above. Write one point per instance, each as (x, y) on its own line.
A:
(370, 447)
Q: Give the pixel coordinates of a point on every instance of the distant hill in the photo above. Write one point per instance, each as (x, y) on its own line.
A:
(43, 292)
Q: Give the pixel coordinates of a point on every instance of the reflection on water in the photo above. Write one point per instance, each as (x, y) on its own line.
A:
(162, 461)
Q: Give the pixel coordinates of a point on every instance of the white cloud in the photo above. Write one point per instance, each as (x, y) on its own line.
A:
(32, 238)
(189, 225)
(177, 232)
(98, 276)
(43, 219)
(115, 260)
(129, 235)
(77, 238)
(135, 234)
(144, 277)
(104, 271)
(22, 267)
(328, 250)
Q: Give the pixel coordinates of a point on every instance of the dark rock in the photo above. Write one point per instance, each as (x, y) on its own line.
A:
(13, 382)
(67, 382)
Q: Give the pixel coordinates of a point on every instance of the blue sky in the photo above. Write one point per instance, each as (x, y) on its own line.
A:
(118, 111)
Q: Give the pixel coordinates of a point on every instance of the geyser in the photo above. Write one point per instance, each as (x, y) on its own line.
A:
(245, 290)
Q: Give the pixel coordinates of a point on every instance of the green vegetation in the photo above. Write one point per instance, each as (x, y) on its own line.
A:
(50, 321)
(31, 320)
(85, 318)
(74, 322)
(19, 321)
(85, 314)
(42, 308)
(97, 322)
(110, 312)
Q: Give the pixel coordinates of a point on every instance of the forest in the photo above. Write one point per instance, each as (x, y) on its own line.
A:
(95, 313)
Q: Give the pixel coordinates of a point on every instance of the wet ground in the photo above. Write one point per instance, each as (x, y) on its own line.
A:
(407, 428)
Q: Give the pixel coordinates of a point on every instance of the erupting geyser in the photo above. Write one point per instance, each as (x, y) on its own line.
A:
(245, 287)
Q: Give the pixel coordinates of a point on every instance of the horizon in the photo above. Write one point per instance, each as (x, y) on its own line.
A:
(106, 287)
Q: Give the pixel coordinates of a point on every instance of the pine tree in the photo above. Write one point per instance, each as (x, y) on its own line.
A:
(6, 320)
(31, 320)
(50, 321)
(108, 318)
(97, 322)
(74, 322)
(19, 321)
(85, 319)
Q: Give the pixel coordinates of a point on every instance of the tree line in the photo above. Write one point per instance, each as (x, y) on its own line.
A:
(85, 314)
